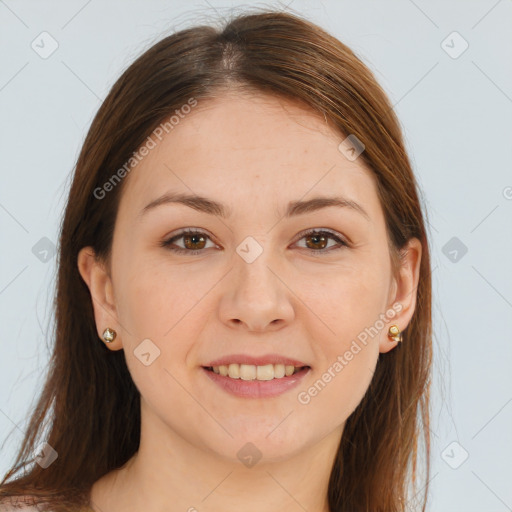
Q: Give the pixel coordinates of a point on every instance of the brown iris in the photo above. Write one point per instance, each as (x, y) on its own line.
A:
(195, 239)
(317, 239)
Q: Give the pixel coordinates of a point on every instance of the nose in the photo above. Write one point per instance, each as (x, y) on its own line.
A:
(257, 297)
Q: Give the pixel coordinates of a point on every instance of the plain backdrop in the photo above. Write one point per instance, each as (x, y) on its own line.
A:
(446, 67)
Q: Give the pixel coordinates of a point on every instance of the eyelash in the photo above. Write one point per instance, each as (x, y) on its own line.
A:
(311, 232)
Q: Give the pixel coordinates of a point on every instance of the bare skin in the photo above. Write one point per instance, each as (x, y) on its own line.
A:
(254, 154)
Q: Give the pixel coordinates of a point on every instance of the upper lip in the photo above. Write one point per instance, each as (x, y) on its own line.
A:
(256, 361)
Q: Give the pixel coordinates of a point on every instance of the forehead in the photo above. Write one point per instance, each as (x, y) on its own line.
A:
(239, 147)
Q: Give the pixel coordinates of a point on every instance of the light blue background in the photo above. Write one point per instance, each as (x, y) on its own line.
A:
(455, 114)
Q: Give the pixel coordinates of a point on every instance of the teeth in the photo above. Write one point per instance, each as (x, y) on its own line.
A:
(251, 372)
(234, 371)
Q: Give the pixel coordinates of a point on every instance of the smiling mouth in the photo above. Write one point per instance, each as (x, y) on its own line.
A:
(252, 372)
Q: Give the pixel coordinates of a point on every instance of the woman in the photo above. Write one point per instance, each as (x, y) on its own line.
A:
(244, 297)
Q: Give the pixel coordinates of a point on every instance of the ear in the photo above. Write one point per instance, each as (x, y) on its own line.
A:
(100, 286)
(403, 291)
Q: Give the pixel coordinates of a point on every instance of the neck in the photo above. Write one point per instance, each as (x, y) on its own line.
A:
(168, 473)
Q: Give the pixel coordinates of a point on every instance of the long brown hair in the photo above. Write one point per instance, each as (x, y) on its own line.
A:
(89, 407)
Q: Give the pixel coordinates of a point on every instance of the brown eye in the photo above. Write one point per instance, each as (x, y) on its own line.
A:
(317, 241)
(194, 242)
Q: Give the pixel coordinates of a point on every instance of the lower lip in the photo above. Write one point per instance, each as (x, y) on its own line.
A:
(257, 388)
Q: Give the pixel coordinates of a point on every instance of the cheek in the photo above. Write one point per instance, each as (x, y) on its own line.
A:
(350, 306)
(343, 384)
(154, 297)
(342, 378)
(158, 311)
(166, 307)
(146, 306)
(345, 301)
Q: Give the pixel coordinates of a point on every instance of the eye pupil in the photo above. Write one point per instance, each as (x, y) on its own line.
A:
(195, 239)
(322, 238)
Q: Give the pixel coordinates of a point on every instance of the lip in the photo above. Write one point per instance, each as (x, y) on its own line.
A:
(257, 388)
(256, 361)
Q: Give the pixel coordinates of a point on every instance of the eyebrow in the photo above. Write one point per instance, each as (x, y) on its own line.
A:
(209, 206)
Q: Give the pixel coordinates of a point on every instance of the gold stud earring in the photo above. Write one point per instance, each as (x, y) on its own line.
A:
(109, 335)
(395, 334)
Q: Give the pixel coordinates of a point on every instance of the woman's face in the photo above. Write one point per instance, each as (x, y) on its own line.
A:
(257, 284)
